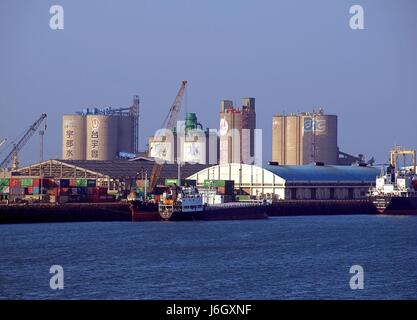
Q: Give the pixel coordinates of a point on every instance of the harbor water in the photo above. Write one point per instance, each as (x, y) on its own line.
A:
(277, 258)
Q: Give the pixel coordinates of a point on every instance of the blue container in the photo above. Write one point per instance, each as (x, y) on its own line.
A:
(36, 190)
(64, 183)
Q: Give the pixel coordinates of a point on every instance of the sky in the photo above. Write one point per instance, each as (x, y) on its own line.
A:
(292, 55)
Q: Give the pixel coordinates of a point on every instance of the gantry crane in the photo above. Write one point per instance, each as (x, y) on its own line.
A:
(397, 151)
(20, 144)
(169, 123)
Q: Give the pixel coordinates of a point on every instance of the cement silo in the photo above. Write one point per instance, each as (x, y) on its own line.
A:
(102, 137)
(287, 140)
(126, 134)
(73, 137)
(320, 138)
(304, 138)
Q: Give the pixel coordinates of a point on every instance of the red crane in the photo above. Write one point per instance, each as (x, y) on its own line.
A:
(169, 123)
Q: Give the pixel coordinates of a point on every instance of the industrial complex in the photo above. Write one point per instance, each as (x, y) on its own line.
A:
(101, 161)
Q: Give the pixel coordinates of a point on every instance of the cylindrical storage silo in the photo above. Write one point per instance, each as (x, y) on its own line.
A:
(126, 133)
(293, 144)
(320, 138)
(278, 139)
(326, 139)
(73, 137)
(101, 137)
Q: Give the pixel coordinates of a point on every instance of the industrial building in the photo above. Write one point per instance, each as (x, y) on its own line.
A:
(116, 175)
(100, 134)
(308, 137)
(188, 143)
(306, 182)
(237, 145)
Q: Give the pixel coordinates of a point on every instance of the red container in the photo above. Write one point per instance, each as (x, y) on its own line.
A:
(36, 183)
(14, 182)
(102, 191)
(64, 191)
(73, 182)
(30, 190)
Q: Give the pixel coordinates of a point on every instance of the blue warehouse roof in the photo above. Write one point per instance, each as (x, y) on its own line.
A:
(325, 173)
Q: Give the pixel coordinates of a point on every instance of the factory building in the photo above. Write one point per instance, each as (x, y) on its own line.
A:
(307, 182)
(237, 131)
(100, 134)
(188, 143)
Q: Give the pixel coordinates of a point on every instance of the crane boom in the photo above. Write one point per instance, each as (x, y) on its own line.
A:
(3, 141)
(19, 145)
(169, 123)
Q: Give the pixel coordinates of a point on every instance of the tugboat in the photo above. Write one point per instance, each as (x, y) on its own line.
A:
(395, 192)
(186, 203)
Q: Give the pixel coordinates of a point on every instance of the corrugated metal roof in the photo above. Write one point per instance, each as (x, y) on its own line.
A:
(124, 168)
(325, 173)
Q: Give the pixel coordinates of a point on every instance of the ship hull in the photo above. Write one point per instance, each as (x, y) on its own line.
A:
(395, 205)
(145, 212)
(221, 213)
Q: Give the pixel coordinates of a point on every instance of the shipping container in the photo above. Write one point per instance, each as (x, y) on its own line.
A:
(4, 189)
(142, 183)
(170, 182)
(14, 183)
(81, 183)
(63, 191)
(91, 183)
(4, 182)
(73, 183)
(64, 183)
(26, 182)
(36, 190)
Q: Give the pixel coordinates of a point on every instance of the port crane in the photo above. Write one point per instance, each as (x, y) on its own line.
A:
(169, 123)
(397, 151)
(21, 143)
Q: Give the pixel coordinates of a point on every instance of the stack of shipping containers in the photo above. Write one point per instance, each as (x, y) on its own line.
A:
(56, 190)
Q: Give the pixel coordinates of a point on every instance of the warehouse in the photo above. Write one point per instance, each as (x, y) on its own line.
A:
(115, 175)
(294, 182)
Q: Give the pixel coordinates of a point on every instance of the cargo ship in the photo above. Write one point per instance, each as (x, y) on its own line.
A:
(395, 192)
(143, 210)
(186, 203)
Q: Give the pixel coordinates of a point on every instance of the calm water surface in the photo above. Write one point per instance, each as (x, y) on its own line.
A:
(278, 258)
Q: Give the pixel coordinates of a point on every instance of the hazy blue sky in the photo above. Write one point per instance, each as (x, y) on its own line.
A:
(290, 55)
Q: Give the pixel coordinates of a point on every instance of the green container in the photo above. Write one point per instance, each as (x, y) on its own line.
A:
(243, 197)
(170, 182)
(27, 182)
(214, 183)
(4, 182)
(81, 183)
